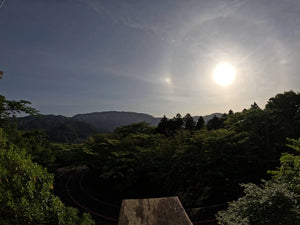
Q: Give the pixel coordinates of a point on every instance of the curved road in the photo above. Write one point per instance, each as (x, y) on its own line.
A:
(71, 188)
(74, 188)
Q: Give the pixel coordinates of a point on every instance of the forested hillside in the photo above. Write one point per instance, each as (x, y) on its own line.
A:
(64, 129)
(201, 163)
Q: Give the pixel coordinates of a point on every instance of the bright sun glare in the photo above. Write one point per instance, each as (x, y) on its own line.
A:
(224, 74)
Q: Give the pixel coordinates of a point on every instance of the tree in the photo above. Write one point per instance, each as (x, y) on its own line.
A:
(200, 123)
(269, 204)
(37, 145)
(134, 128)
(289, 171)
(26, 188)
(162, 127)
(8, 111)
(11, 108)
(169, 126)
(178, 122)
(189, 123)
(214, 123)
(284, 114)
(254, 106)
(26, 191)
(276, 202)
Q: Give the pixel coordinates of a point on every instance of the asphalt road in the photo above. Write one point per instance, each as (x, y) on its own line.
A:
(77, 188)
(73, 187)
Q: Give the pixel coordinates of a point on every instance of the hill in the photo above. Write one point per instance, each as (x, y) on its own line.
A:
(108, 121)
(58, 128)
(69, 129)
(208, 117)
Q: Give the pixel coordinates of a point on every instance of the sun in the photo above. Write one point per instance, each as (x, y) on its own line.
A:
(224, 74)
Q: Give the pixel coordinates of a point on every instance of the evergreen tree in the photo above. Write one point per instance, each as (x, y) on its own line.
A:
(200, 123)
(163, 125)
(254, 106)
(189, 123)
(178, 122)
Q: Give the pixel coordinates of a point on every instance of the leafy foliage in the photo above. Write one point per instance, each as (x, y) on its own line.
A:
(26, 192)
(142, 163)
(283, 113)
(289, 171)
(25, 187)
(275, 202)
(215, 123)
(271, 204)
(11, 108)
(201, 163)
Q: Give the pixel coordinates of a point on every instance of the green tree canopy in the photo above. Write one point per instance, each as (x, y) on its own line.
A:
(284, 115)
(276, 202)
(214, 123)
(26, 191)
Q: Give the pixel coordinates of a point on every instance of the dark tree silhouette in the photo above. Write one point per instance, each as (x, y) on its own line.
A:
(200, 123)
(163, 125)
(178, 121)
(189, 123)
(214, 123)
(255, 106)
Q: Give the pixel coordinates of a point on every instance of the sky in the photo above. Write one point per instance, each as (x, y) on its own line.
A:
(150, 56)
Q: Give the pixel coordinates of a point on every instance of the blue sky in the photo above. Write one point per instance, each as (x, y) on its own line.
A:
(157, 57)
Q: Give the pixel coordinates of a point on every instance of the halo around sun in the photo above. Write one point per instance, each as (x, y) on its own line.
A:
(224, 74)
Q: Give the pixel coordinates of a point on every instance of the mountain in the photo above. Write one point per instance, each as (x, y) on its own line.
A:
(41, 121)
(108, 121)
(58, 128)
(208, 117)
(76, 128)
(69, 129)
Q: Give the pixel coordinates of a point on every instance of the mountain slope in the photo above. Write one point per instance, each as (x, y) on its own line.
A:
(208, 117)
(108, 121)
(58, 128)
(76, 128)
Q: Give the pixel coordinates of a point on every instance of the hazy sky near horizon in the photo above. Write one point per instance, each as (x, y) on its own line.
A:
(151, 56)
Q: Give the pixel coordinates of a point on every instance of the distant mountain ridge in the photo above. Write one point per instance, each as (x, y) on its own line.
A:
(208, 117)
(78, 127)
(109, 120)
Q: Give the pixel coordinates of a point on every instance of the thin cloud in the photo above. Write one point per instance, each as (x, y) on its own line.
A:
(2, 3)
(130, 21)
